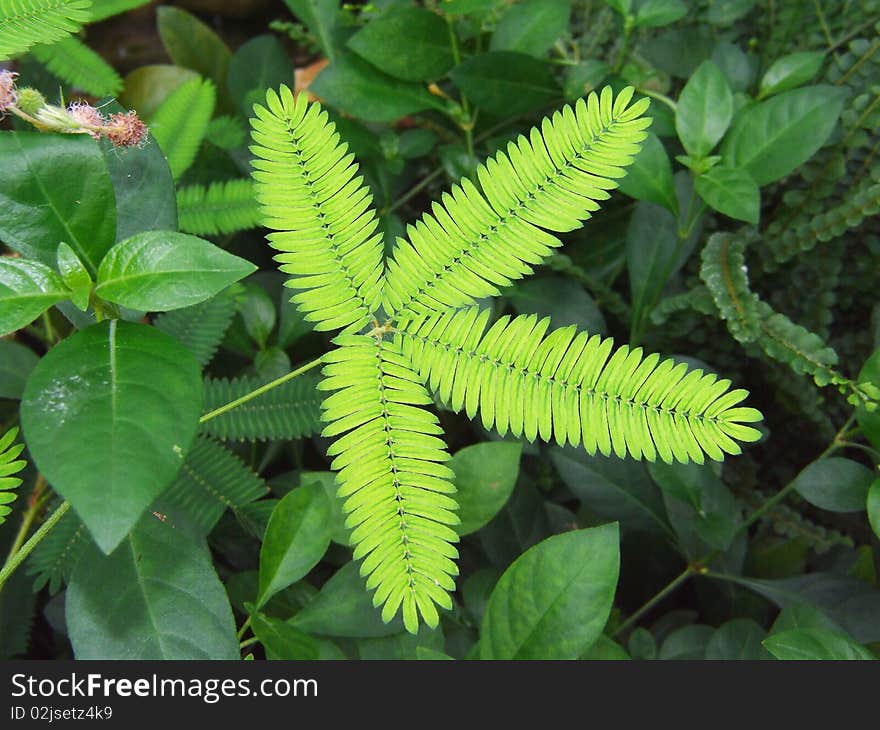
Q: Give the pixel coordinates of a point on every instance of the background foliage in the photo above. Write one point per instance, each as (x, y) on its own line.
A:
(744, 241)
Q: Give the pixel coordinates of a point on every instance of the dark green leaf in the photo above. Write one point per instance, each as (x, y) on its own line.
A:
(507, 84)
(835, 484)
(732, 191)
(356, 87)
(773, 138)
(296, 539)
(584, 77)
(738, 639)
(108, 415)
(815, 644)
(873, 506)
(75, 275)
(851, 604)
(553, 602)
(650, 176)
(652, 254)
(155, 597)
(27, 289)
(148, 86)
(257, 311)
(144, 188)
(612, 488)
(726, 12)
(16, 363)
(560, 298)
(657, 13)
(687, 642)
(283, 642)
(257, 65)
(344, 608)
(163, 270)
(485, 475)
(869, 421)
(55, 187)
(425, 55)
(704, 110)
(531, 27)
(322, 18)
(789, 72)
(192, 44)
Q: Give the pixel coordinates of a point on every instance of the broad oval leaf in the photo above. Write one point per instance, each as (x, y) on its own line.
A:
(75, 276)
(874, 506)
(108, 415)
(704, 110)
(425, 56)
(650, 176)
(553, 602)
(739, 639)
(485, 475)
(869, 421)
(163, 270)
(27, 289)
(296, 538)
(344, 608)
(814, 644)
(790, 72)
(55, 187)
(505, 83)
(531, 27)
(835, 484)
(156, 596)
(16, 364)
(358, 88)
(732, 191)
(257, 65)
(773, 138)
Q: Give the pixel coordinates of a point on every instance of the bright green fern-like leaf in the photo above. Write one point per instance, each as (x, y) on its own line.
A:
(200, 328)
(107, 8)
(292, 410)
(181, 121)
(53, 560)
(211, 480)
(220, 208)
(77, 64)
(319, 210)
(10, 465)
(391, 474)
(225, 132)
(574, 388)
(475, 243)
(566, 385)
(24, 23)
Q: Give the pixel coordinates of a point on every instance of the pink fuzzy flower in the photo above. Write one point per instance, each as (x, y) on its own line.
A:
(8, 94)
(126, 130)
(88, 116)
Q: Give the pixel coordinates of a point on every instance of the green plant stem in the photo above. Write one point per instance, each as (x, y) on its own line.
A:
(35, 502)
(659, 97)
(467, 125)
(668, 589)
(248, 642)
(244, 627)
(415, 190)
(259, 391)
(50, 330)
(19, 556)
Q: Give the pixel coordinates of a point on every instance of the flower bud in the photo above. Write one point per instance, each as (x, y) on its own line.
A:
(30, 101)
